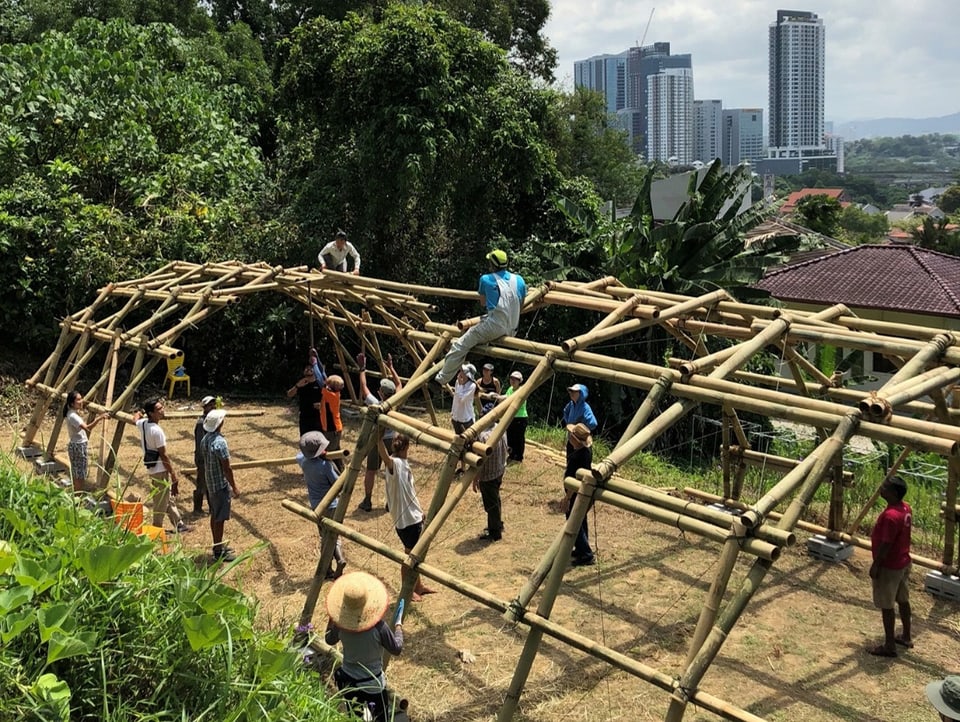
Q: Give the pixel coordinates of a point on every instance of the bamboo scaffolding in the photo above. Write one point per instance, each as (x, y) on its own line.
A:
(683, 522)
(268, 463)
(811, 528)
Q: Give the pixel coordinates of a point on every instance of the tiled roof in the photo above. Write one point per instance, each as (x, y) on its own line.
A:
(790, 204)
(889, 277)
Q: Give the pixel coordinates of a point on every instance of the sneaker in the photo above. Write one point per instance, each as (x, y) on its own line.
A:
(226, 555)
(183, 527)
(487, 536)
(584, 561)
(366, 505)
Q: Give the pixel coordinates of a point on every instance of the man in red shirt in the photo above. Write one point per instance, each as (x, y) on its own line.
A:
(890, 571)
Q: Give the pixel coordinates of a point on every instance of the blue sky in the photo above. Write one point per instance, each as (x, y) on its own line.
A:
(885, 58)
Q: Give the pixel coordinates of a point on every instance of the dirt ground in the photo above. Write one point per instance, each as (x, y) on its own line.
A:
(798, 653)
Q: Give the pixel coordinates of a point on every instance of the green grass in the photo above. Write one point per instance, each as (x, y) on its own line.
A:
(96, 625)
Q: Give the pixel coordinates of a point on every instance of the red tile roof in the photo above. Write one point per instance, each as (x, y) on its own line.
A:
(890, 277)
(790, 205)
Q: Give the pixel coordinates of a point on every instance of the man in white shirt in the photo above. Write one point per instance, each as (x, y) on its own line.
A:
(334, 255)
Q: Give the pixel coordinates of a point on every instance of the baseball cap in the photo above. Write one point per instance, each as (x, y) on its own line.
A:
(207, 400)
(214, 419)
(313, 443)
(488, 367)
(516, 375)
(470, 370)
(387, 386)
(498, 258)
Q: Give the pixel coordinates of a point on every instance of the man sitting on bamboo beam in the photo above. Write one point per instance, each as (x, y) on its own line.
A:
(890, 571)
(502, 294)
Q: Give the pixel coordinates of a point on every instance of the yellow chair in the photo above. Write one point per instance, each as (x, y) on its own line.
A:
(175, 377)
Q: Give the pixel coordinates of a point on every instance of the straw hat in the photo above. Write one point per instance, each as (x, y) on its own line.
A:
(357, 601)
(581, 432)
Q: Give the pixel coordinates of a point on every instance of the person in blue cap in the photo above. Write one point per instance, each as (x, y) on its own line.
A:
(502, 294)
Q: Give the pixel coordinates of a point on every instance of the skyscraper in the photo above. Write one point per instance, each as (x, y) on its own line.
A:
(670, 115)
(796, 44)
(707, 116)
(605, 74)
(624, 80)
(741, 135)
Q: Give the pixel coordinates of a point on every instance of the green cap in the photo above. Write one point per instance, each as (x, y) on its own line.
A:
(498, 258)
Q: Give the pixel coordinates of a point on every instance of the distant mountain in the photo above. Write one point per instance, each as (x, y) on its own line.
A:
(895, 127)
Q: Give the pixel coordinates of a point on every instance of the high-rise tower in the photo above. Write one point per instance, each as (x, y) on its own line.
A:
(796, 85)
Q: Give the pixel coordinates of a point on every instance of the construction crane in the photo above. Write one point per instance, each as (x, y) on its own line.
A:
(644, 36)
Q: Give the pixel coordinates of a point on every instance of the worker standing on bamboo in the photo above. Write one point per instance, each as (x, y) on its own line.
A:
(890, 571)
(502, 294)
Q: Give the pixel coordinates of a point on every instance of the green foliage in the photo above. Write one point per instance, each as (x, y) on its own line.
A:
(819, 213)
(949, 201)
(859, 227)
(937, 235)
(96, 625)
(119, 147)
(591, 146)
(415, 135)
(701, 248)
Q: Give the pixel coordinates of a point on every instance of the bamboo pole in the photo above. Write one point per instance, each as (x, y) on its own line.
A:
(725, 451)
(234, 414)
(921, 387)
(470, 458)
(811, 528)
(683, 522)
(269, 463)
(711, 605)
(615, 315)
(114, 353)
(649, 405)
(535, 621)
(581, 505)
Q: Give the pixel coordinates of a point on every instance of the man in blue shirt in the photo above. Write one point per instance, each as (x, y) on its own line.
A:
(502, 294)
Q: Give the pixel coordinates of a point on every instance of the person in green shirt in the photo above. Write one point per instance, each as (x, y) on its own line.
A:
(517, 431)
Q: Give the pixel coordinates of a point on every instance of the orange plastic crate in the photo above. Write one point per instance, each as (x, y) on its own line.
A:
(129, 515)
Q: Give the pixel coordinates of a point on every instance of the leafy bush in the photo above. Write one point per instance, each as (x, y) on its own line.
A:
(95, 625)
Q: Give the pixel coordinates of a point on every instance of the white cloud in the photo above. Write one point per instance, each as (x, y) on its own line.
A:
(884, 57)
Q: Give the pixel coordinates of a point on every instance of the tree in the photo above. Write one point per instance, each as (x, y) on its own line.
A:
(937, 235)
(415, 135)
(819, 213)
(949, 201)
(591, 146)
(120, 145)
(701, 248)
(860, 227)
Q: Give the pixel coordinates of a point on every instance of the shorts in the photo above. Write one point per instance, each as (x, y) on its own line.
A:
(460, 426)
(77, 451)
(220, 504)
(410, 535)
(891, 586)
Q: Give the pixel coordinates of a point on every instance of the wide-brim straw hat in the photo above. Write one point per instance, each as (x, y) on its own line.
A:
(357, 601)
(581, 432)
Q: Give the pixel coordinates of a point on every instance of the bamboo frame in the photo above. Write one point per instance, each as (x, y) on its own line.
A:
(145, 317)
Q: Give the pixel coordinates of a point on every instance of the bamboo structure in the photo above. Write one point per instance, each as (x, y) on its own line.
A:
(132, 326)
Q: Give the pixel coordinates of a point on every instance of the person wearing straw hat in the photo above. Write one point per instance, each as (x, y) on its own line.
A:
(517, 430)
(944, 695)
(386, 389)
(220, 481)
(320, 474)
(207, 404)
(579, 456)
(356, 604)
(402, 501)
(501, 293)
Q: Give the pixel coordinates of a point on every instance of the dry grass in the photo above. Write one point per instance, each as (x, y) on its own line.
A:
(797, 654)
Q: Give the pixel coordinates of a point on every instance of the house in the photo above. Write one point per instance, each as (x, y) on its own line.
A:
(790, 205)
(896, 283)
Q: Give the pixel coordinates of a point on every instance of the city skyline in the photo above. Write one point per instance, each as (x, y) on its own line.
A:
(883, 59)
